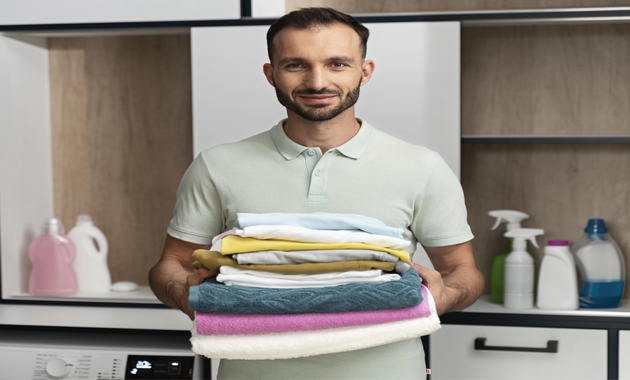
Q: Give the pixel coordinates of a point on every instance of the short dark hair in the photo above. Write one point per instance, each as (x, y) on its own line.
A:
(308, 17)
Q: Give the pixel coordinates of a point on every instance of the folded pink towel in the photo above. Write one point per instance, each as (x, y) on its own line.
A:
(237, 324)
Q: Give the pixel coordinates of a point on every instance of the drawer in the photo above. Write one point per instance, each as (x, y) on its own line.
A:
(496, 352)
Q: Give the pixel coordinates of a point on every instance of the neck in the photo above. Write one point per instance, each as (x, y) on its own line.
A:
(325, 135)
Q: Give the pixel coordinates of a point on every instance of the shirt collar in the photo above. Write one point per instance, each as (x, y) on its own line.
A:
(353, 148)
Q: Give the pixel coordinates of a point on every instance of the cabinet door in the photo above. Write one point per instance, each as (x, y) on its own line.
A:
(493, 352)
(624, 354)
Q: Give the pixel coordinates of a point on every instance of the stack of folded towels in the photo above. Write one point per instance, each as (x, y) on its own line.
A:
(294, 285)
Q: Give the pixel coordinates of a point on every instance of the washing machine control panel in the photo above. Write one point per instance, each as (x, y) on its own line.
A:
(48, 364)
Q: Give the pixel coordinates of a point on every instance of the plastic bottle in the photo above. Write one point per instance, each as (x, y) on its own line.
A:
(52, 254)
(601, 266)
(513, 220)
(90, 264)
(557, 279)
(518, 292)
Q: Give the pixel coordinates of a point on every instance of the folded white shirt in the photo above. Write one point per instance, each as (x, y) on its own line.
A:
(260, 279)
(312, 256)
(320, 221)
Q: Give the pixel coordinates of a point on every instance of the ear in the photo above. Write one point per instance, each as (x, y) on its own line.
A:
(367, 70)
(268, 70)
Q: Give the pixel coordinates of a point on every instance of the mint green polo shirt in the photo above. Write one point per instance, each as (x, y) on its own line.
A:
(373, 174)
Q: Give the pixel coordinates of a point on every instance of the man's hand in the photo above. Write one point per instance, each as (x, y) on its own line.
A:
(456, 283)
(194, 279)
(173, 275)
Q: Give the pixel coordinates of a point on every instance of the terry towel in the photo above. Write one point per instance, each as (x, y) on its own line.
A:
(294, 344)
(213, 296)
(230, 324)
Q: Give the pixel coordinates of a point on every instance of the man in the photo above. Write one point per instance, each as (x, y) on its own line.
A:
(323, 159)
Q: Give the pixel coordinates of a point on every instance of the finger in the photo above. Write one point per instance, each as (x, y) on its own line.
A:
(200, 275)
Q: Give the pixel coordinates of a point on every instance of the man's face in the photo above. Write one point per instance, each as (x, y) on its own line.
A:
(317, 72)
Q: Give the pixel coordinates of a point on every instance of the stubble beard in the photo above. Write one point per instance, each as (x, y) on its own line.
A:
(318, 112)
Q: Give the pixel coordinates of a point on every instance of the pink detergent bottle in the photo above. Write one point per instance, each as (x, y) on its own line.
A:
(52, 254)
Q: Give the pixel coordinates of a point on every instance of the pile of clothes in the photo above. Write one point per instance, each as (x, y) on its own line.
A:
(293, 285)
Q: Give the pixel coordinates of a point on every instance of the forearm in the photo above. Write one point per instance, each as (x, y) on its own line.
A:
(463, 286)
(168, 280)
(172, 276)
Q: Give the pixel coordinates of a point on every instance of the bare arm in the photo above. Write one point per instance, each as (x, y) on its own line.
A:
(456, 283)
(172, 276)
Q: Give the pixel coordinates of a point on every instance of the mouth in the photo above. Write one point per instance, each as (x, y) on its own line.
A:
(317, 99)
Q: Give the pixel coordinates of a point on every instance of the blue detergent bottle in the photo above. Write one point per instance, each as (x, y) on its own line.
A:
(601, 265)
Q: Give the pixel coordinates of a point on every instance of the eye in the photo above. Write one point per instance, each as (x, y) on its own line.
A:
(294, 66)
(339, 65)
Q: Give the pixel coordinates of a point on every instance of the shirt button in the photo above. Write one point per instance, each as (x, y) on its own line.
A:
(318, 173)
(311, 152)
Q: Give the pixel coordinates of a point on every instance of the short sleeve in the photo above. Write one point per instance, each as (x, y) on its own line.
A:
(440, 217)
(197, 217)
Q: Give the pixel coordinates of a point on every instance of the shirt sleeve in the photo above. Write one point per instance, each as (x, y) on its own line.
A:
(198, 215)
(441, 218)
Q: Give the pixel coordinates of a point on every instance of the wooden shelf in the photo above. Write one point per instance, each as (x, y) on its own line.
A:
(521, 139)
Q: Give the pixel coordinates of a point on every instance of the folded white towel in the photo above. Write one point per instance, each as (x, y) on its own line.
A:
(308, 235)
(316, 342)
(261, 279)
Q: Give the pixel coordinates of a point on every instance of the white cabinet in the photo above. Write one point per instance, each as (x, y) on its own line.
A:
(624, 353)
(17, 12)
(495, 352)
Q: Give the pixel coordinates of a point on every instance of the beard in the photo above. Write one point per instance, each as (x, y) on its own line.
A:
(318, 112)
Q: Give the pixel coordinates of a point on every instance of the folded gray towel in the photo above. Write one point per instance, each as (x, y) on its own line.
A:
(212, 296)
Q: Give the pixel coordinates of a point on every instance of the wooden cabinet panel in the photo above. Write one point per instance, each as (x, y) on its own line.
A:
(560, 186)
(121, 139)
(546, 80)
(362, 6)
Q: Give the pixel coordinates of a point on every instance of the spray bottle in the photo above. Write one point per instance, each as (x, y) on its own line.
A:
(519, 269)
(513, 221)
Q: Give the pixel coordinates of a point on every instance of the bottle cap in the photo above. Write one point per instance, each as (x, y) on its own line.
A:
(84, 220)
(53, 226)
(558, 243)
(596, 226)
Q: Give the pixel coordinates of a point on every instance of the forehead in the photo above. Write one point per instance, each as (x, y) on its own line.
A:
(334, 39)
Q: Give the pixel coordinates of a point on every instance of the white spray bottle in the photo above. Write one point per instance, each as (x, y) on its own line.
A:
(513, 220)
(519, 269)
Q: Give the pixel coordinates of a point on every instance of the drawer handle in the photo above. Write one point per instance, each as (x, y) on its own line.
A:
(552, 347)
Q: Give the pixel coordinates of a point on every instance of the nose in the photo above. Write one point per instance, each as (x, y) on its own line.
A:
(316, 78)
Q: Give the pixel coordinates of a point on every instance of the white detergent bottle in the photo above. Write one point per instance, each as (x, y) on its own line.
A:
(519, 269)
(557, 280)
(90, 264)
